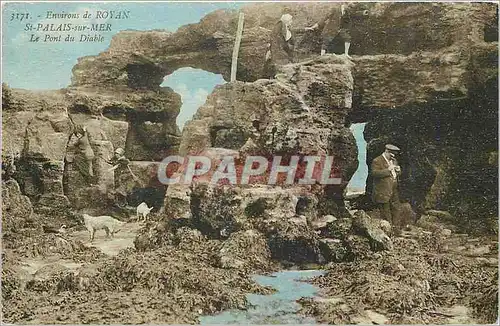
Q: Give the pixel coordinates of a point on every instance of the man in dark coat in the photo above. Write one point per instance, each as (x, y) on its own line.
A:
(386, 171)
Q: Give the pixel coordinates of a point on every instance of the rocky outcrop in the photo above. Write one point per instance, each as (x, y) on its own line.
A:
(148, 117)
(395, 81)
(419, 76)
(39, 126)
(303, 112)
(245, 249)
(16, 208)
(440, 108)
(448, 154)
(142, 59)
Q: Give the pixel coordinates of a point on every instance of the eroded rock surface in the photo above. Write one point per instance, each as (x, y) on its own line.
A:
(39, 127)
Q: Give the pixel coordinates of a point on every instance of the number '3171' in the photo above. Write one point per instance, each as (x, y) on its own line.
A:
(19, 16)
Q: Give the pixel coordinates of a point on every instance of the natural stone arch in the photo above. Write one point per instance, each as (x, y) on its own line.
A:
(208, 44)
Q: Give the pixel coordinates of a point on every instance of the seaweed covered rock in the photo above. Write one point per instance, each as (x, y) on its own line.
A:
(333, 250)
(412, 282)
(339, 229)
(245, 250)
(181, 283)
(292, 240)
(364, 225)
(186, 238)
(214, 209)
(485, 300)
(11, 281)
(53, 278)
(354, 238)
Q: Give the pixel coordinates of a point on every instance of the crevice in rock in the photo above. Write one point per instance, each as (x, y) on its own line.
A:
(79, 109)
(302, 205)
(357, 183)
(115, 113)
(152, 196)
(146, 76)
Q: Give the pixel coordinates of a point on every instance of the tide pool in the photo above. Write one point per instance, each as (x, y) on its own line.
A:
(277, 308)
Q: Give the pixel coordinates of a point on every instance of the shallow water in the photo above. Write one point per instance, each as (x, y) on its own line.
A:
(277, 308)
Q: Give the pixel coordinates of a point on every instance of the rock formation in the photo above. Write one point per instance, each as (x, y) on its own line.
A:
(142, 59)
(423, 75)
(40, 126)
(16, 208)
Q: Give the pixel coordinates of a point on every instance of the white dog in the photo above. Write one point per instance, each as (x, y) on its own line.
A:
(143, 210)
(104, 222)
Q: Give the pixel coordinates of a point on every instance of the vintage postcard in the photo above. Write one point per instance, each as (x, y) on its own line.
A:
(249, 162)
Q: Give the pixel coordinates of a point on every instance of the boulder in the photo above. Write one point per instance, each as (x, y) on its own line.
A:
(177, 201)
(16, 208)
(323, 222)
(333, 250)
(215, 209)
(358, 247)
(186, 238)
(364, 225)
(293, 241)
(267, 202)
(444, 215)
(245, 250)
(339, 229)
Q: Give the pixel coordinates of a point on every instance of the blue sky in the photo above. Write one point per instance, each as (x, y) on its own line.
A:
(48, 65)
(193, 85)
(358, 180)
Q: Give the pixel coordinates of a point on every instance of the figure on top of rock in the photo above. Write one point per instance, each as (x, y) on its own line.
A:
(386, 171)
(336, 23)
(281, 48)
(125, 179)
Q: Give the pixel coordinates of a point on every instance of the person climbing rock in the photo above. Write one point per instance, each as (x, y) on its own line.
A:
(123, 181)
(386, 171)
(281, 48)
(336, 23)
(83, 155)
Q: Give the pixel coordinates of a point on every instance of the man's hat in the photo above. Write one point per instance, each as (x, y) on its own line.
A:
(392, 148)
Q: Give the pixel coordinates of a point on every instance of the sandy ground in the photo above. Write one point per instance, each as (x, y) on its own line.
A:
(110, 246)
